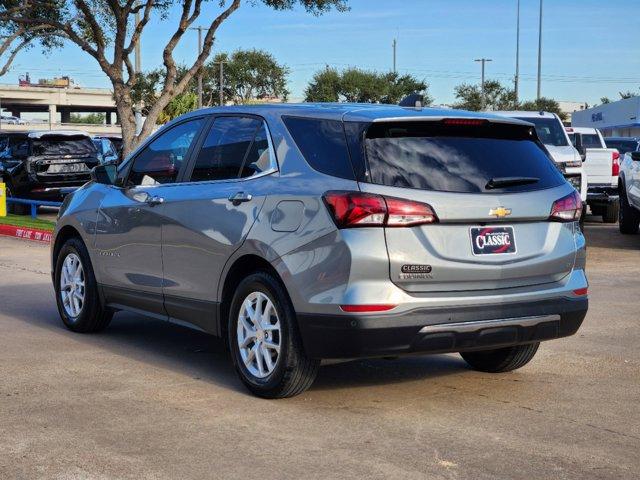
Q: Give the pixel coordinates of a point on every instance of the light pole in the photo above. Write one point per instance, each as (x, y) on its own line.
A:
(482, 61)
(394, 45)
(539, 50)
(199, 29)
(517, 78)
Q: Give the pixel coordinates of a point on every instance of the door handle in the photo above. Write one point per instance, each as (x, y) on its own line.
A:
(240, 197)
(154, 200)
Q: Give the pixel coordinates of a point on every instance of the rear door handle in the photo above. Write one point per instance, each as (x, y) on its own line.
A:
(240, 197)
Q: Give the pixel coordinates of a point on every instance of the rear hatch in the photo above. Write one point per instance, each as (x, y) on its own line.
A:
(492, 188)
(63, 158)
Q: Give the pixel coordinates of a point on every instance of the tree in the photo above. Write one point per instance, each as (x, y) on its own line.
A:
(364, 86)
(106, 30)
(496, 96)
(544, 104)
(89, 119)
(324, 86)
(605, 100)
(15, 38)
(249, 75)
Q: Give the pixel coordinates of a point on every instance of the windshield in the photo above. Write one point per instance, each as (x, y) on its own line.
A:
(550, 130)
(623, 146)
(52, 145)
(431, 156)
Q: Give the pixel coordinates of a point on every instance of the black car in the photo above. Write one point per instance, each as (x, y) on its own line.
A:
(116, 141)
(45, 165)
(623, 144)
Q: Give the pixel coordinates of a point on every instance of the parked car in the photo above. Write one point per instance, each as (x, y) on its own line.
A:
(303, 232)
(107, 151)
(602, 165)
(629, 187)
(116, 141)
(623, 144)
(11, 120)
(45, 165)
(554, 137)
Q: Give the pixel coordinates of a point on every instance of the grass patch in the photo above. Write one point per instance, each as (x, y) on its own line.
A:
(27, 222)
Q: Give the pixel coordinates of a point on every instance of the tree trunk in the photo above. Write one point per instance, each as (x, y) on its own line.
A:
(126, 116)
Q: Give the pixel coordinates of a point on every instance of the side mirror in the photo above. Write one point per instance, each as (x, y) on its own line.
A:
(577, 142)
(635, 156)
(105, 174)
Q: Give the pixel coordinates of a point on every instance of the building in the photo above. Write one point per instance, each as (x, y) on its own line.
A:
(615, 119)
(568, 107)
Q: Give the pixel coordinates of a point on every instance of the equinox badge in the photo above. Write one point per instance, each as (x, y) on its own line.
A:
(500, 212)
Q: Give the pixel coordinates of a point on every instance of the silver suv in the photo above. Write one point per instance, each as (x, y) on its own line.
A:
(306, 232)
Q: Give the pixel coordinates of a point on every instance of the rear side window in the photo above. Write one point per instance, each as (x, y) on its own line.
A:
(465, 159)
(227, 146)
(323, 145)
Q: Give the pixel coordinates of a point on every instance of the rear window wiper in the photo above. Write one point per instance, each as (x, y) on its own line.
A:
(500, 182)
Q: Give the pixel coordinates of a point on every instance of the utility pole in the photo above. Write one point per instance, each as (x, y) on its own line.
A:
(517, 78)
(539, 50)
(138, 69)
(482, 61)
(199, 29)
(221, 82)
(394, 45)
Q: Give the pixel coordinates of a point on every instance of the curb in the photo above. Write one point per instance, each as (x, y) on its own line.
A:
(34, 234)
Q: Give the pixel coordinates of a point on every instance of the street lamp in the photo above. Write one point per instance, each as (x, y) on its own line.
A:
(539, 49)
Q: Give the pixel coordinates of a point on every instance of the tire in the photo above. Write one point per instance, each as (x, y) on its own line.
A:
(17, 208)
(628, 217)
(292, 372)
(91, 316)
(610, 214)
(501, 359)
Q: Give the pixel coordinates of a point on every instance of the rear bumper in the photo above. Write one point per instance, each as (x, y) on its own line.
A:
(440, 330)
(602, 194)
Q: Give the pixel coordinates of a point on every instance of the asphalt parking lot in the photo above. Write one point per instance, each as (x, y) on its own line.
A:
(146, 399)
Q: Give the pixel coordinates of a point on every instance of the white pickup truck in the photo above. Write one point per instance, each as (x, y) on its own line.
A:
(602, 166)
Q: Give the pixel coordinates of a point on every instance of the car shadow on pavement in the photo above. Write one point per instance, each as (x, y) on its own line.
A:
(204, 357)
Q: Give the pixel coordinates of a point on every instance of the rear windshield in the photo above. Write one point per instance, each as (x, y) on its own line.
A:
(623, 146)
(490, 158)
(550, 130)
(51, 145)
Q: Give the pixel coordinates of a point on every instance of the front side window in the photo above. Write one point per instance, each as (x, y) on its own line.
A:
(235, 147)
(161, 160)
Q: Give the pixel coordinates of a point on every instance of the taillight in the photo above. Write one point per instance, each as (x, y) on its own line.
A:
(359, 209)
(615, 164)
(356, 209)
(567, 209)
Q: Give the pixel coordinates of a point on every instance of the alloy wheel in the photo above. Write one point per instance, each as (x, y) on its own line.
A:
(258, 334)
(72, 286)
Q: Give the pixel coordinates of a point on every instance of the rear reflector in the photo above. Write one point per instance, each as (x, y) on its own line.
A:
(366, 308)
(567, 209)
(464, 122)
(359, 209)
(615, 164)
(580, 292)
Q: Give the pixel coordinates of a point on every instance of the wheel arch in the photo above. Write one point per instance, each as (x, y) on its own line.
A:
(240, 269)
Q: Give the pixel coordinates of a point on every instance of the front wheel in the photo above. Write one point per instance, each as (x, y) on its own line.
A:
(264, 340)
(76, 290)
(501, 359)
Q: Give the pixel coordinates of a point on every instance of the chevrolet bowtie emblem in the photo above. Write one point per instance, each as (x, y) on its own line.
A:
(500, 212)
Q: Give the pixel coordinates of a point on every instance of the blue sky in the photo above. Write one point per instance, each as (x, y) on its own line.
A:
(590, 48)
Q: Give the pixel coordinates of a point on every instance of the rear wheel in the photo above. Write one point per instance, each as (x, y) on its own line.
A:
(501, 359)
(610, 214)
(264, 341)
(76, 290)
(628, 217)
